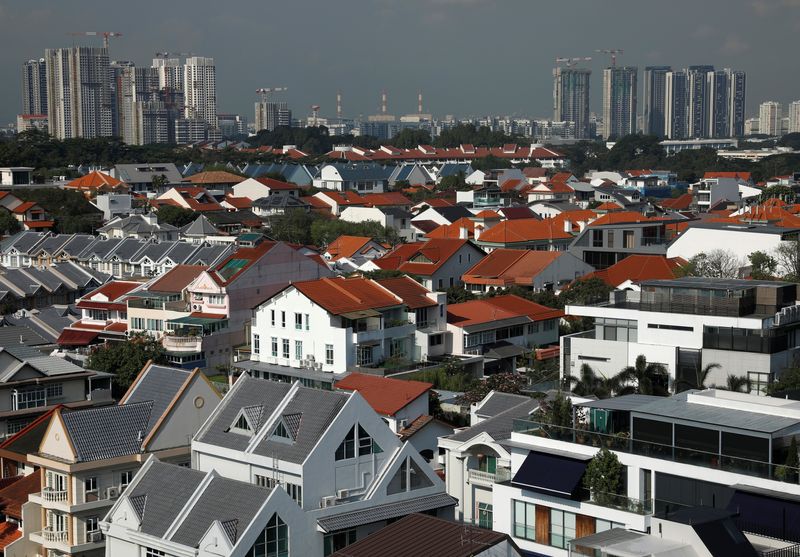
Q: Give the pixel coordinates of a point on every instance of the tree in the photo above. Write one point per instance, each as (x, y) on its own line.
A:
(699, 380)
(603, 477)
(158, 181)
(584, 291)
(459, 294)
(176, 216)
(737, 384)
(789, 380)
(588, 383)
(643, 378)
(410, 138)
(490, 162)
(787, 255)
(502, 382)
(8, 224)
(454, 182)
(762, 266)
(126, 359)
(779, 192)
(718, 263)
(556, 412)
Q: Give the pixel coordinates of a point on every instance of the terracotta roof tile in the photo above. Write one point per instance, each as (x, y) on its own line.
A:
(214, 177)
(413, 294)
(346, 246)
(15, 495)
(621, 217)
(476, 312)
(112, 290)
(636, 268)
(386, 396)
(95, 180)
(347, 295)
(505, 267)
(525, 230)
(421, 258)
(177, 279)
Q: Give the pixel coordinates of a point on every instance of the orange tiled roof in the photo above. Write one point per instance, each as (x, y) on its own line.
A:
(620, 217)
(413, 294)
(505, 267)
(453, 230)
(214, 177)
(421, 258)
(239, 202)
(735, 175)
(23, 207)
(525, 230)
(637, 268)
(391, 198)
(680, 203)
(476, 312)
(608, 206)
(112, 290)
(387, 396)
(14, 496)
(347, 295)
(346, 246)
(95, 180)
(277, 185)
(487, 214)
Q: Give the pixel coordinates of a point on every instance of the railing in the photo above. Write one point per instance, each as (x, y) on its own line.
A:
(189, 344)
(501, 475)
(51, 535)
(150, 303)
(625, 444)
(620, 502)
(52, 495)
(790, 551)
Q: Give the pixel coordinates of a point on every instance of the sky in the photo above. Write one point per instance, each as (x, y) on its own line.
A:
(468, 57)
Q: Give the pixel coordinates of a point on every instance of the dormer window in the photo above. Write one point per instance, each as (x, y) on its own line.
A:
(242, 424)
(280, 431)
(247, 421)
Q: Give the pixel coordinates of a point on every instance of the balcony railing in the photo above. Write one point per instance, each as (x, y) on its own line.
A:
(501, 475)
(620, 502)
(623, 443)
(182, 344)
(53, 495)
(56, 536)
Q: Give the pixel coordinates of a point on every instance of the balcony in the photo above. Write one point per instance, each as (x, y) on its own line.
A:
(174, 343)
(480, 477)
(155, 303)
(54, 536)
(622, 443)
(54, 496)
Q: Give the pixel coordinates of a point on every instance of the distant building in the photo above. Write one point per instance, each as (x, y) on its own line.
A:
(34, 87)
(769, 118)
(620, 87)
(571, 98)
(655, 97)
(794, 117)
(270, 115)
(200, 90)
(676, 105)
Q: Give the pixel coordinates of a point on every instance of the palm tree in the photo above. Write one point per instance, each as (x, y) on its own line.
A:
(642, 378)
(737, 384)
(699, 380)
(589, 383)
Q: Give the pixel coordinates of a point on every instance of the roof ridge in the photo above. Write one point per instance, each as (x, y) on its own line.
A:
(335, 284)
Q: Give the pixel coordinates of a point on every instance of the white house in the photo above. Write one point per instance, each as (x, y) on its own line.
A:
(258, 188)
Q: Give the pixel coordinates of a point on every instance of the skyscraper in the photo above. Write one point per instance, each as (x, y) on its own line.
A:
(794, 117)
(737, 82)
(571, 98)
(170, 73)
(698, 113)
(655, 97)
(619, 101)
(676, 104)
(769, 118)
(270, 115)
(78, 92)
(34, 87)
(200, 90)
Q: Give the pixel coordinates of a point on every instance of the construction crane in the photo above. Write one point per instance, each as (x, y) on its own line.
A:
(105, 34)
(315, 113)
(570, 62)
(266, 91)
(613, 52)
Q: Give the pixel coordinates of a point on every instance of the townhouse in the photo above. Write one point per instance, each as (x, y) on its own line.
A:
(138, 226)
(747, 327)
(362, 178)
(259, 188)
(89, 457)
(37, 288)
(504, 329)
(342, 465)
(554, 234)
(315, 330)
(194, 198)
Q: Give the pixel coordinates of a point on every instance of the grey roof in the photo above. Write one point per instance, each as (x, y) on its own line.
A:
(79, 275)
(280, 200)
(127, 249)
(709, 283)
(108, 431)
(209, 255)
(45, 277)
(453, 213)
(48, 322)
(200, 226)
(77, 244)
(368, 171)
(159, 384)
(500, 402)
(180, 252)
(101, 248)
(608, 537)
(24, 241)
(396, 212)
(224, 500)
(53, 244)
(386, 511)
(166, 489)
(500, 426)
(21, 334)
(143, 173)
(47, 365)
(626, 403)
(136, 223)
(155, 251)
(677, 407)
(451, 169)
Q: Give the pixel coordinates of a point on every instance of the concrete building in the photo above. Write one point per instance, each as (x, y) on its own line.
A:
(794, 117)
(655, 98)
(200, 90)
(34, 87)
(769, 118)
(676, 105)
(571, 99)
(699, 103)
(620, 88)
(270, 115)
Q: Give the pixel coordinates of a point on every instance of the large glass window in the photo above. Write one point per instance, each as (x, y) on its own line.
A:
(273, 541)
(759, 381)
(524, 520)
(30, 398)
(339, 540)
(298, 350)
(485, 515)
(256, 344)
(275, 347)
(286, 348)
(347, 448)
(562, 528)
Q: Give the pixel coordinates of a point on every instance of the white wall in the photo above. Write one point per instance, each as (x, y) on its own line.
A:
(741, 242)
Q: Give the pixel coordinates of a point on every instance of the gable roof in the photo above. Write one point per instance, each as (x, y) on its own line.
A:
(346, 246)
(13, 496)
(476, 312)
(680, 203)
(744, 176)
(431, 255)
(412, 293)
(108, 431)
(453, 230)
(621, 217)
(636, 268)
(95, 180)
(347, 295)
(504, 267)
(525, 230)
(214, 177)
(176, 279)
(387, 396)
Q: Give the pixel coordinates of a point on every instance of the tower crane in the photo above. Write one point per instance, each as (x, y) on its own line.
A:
(105, 34)
(266, 91)
(571, 62)
(613, 52)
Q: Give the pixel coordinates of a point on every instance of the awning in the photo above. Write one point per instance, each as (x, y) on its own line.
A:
(199, 321)
(72, 337)
(768, 513)
(551, 474)
(504, 349)
(385, 512)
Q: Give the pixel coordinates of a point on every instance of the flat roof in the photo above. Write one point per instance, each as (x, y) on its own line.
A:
(627, 402)
(707, 283)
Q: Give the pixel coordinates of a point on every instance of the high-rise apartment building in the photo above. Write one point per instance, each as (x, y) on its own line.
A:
(34, 87)
(769, 118)
(78, 92)
(699, 103)
(620, 86)
(794, 117)
(737, 97)
(676, 104)
(655, 98)
(200, 90)
(170, 73)
(726, 103)
(571, 98)
(270, 115)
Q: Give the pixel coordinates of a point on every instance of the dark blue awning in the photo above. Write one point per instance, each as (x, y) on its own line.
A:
(551, 474)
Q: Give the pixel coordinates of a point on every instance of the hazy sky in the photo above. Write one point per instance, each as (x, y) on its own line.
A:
(469, 57)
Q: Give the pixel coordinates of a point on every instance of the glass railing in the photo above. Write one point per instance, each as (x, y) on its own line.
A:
(620, 502)
(623, 443)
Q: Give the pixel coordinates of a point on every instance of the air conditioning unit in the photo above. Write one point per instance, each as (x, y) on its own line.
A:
(94, 537)
(196, 307)
(326, 502)
(310, 358)
(112, 492)
(343, 493)
(401, 424)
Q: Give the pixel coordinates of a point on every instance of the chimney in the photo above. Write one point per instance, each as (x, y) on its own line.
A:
(567, 226)
(463, 232)
(581, 225)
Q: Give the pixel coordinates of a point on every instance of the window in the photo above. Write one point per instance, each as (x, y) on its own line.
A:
(347, 448)
(283, 319)
(485, 515)
(137, 323)
(272, 316)
(264, 481)
(155, 325)
(339, 540)
(125, 479)
(329, 354)
(524, 520)
(366, 445)
(55, 390)
(90, 485)
(256, 344)
(562, 528)
(298, 350)
(436, 340)
(533, 328)
(29, 398)
(150, 552)
(308, 323)
(286, 348)
(605, 525)
(274, 347)
(216, 299)
(295, 492)
(92, 524)
(487, 463)
(550, 324)
(759, 381)
(669, 327)
(409, 477)
(242, 424)
(364, 355)
(597, 238)
(280, 431)
(273, 541)
(298, 321)
(14, 426)
(628, 239)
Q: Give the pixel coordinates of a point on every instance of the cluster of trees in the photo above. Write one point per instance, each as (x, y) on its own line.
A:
(71, 211)
(176, 216)
(301, 227)
(781, 263)
(126, 359)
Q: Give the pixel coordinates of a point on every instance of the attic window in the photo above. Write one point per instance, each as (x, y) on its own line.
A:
(280, 431)
(242, 424)
(420, 258)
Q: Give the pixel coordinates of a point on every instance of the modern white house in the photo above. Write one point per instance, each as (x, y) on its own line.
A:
(323, 328)
(363, 178)
(745, 326)
(685, 459)
(331, 453)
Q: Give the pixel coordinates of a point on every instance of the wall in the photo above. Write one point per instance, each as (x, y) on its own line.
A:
(741, 242)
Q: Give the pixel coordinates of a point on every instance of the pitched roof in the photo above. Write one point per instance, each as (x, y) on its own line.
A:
(386, 199)
(113, 290)
(745, 176)
(421, 258)
(413, 294)
(387, 396)
(347, 295)
(636, 268)
(499, 426)
(621, 217)
(477, 312)
(177, 279)
(273, 184)
(346, 246)
(239, 261)
(159, 385)
(13, 496)
(680, 203)
(214, 177)
(95, 180)
(107, 431)
(504, 267)
(525, 230)
(201, 226)
(453, 230)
